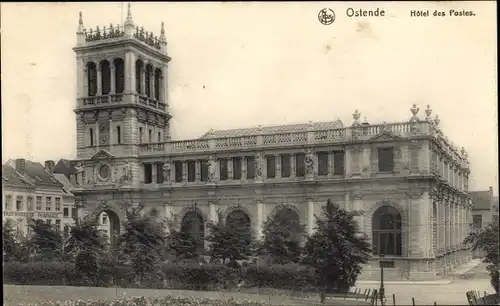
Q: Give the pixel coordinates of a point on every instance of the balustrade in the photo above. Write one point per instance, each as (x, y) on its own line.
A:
(276, 140)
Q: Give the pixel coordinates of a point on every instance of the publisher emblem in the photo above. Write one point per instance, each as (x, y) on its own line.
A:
(326, 16)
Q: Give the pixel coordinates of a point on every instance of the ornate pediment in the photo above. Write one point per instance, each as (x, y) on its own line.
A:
(102, 155)
(386, 135)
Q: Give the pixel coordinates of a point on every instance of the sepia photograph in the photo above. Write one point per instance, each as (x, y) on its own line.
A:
(250, 153)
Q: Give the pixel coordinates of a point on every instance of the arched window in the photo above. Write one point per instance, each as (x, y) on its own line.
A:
(288, 219)
(138, 76)
(193, 223)
(105, 77)
(119, 75)
(158, 77)
(239, 220)
(92, 79)
(148, 92)
(386, 229)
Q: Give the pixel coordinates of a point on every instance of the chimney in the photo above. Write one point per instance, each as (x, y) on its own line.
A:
(49, 166)
(21, 165)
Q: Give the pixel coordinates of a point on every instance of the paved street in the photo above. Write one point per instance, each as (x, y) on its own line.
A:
(448, 291)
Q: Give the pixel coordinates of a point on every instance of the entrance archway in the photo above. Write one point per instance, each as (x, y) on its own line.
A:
(193, 223)
(289, 220)
(109, 225)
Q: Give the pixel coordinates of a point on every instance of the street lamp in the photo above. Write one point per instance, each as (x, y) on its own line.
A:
(381, 290)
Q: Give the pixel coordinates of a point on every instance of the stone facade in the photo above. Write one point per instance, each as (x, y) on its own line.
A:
(409, 166)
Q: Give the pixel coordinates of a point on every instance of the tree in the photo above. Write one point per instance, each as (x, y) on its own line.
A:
(281, 239)
(46, 240)
(10, 243)
(487, 240)
(335, 250)
(143, 241)
(85, 246)
(229, 241)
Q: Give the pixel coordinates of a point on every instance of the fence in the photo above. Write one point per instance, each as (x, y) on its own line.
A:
(372, 296)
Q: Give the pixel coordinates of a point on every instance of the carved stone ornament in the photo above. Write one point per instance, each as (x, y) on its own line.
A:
(126, 173)
(258, 166)
(167, 168)
(414, 110)
(79, 174)
(428, 113)
(309, 162)
(356, 117)
(211, 168)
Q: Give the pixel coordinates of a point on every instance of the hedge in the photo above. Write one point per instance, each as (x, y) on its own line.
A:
(168, 276)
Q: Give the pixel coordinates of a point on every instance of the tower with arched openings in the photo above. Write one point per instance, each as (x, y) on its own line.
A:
(121, 102)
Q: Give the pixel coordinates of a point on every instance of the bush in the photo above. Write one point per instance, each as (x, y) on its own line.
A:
(289, 277)
(37, 273)
(199, 277)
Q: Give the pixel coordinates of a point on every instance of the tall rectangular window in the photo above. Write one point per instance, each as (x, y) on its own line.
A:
(285, 165)
(19, 203)
(58, 204)
(204, 170)
(65, 212)
(178, 171)
(159, 173)
(148, 173)
(191, 168)
(48, 203)
(323, 163)
(338, 163)
(91, 136)
(150, 136)
(223, 169)
(271, 166)
(118, 135)
(385, 159)
(8, 202)
(159, 137)
(58, 225)
(300, 170)
(250, 167)
(236, 168)
(38, 203)
(477, 221)
(30, 204)
(141, 134)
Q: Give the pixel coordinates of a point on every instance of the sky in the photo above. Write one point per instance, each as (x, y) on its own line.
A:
(247, 64)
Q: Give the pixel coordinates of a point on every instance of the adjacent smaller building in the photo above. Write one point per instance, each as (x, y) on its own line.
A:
(484, 207)
(32, 191)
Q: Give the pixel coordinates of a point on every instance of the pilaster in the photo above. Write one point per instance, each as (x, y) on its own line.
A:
(310, 216)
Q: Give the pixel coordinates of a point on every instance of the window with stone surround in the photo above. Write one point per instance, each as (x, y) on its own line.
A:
(38, 203)
(65, 212)
(223, 169)
(285, 165)
(159, 137)
(271, 166)
(150, 136)
(158, 77)
(91, 136)
(58, 225)
(338, 162)
(58, 204)
(386, 231)
(147, 81)
(48, 203)
(300, 169)
(385, 159)
(105, 77)
(191, 169)
(139, 65)
(19, 203)
(92, 79)
(322, 163)
(250, 167)
(204, 170)
(119, 75)
(159, 173)
(178, 171)
(140, 134)
(236, 168)
(118, 135)
(148, 173)
(8, 202)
